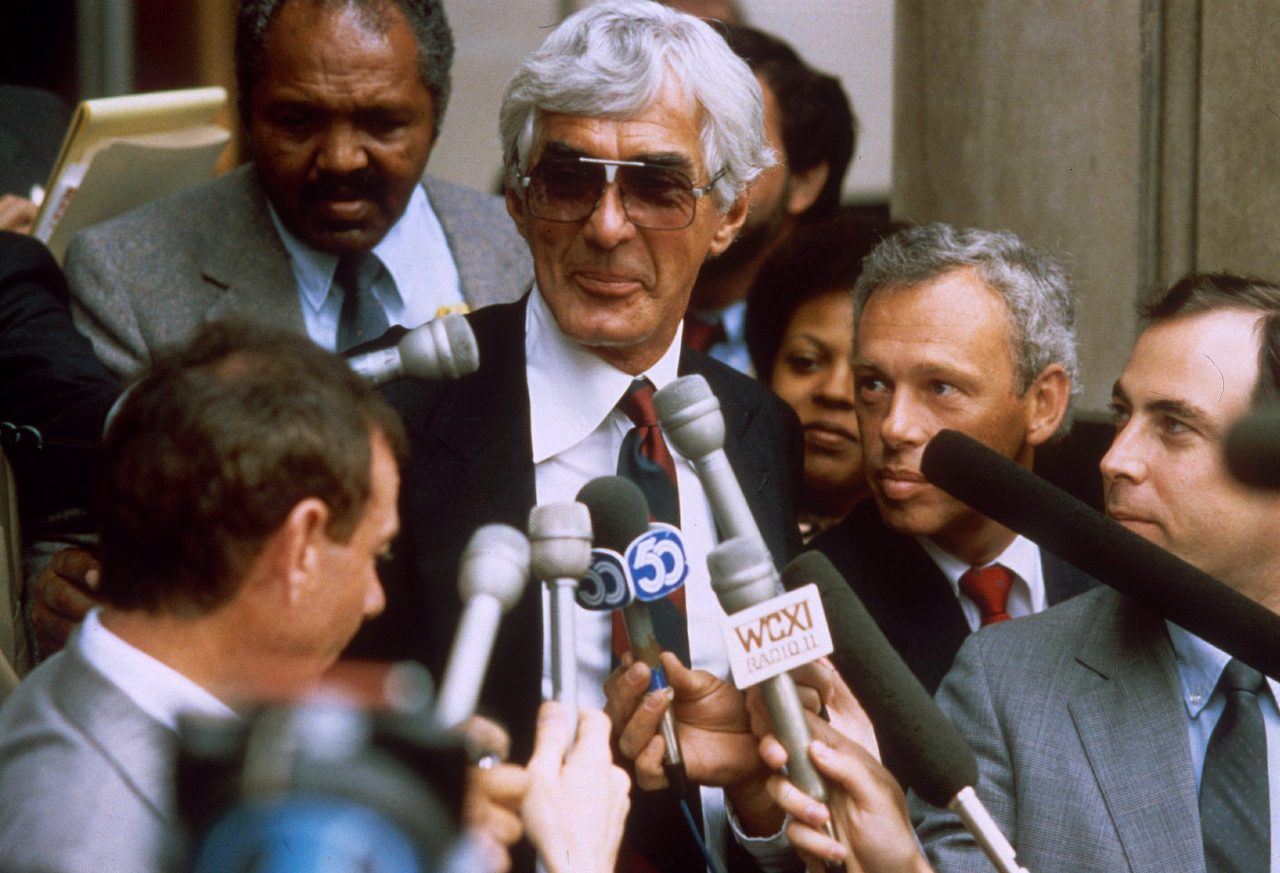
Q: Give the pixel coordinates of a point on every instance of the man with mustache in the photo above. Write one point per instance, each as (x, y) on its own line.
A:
(332, 229)
(963, 329)
(630, 140)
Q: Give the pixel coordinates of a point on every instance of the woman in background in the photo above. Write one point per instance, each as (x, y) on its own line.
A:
(799, 331)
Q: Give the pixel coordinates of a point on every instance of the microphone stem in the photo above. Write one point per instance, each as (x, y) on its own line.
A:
(564, 667)
(985, 830)
(725, 496)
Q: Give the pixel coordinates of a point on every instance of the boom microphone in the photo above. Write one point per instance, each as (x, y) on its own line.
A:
(1252, 449)
(560, 555)
(1070, 529)
(491, 576)
(936, 761)
(443, 348)
(619, 516)
(691, 419)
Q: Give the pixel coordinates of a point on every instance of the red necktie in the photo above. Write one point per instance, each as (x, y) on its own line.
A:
(646, 460)
(988, 587)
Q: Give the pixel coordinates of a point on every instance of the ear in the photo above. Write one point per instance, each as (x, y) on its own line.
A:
(805, 188)
(296, 546)
(515, 208)
(1047, 400)
(730, 224)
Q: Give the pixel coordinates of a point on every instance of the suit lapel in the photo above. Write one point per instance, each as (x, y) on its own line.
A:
(484, 273)
(139, 747)
(248, 270)
(1133, 731)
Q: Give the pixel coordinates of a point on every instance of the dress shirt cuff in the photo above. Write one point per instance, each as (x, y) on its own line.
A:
(772, 854)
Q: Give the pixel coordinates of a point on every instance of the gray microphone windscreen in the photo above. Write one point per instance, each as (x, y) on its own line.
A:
(496, 563)
(560, 540)
(690, 416)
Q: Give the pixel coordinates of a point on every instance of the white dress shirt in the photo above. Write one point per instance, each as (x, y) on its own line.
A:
(576, 432)
(159, 690)
(419, 280)
(1026, 595)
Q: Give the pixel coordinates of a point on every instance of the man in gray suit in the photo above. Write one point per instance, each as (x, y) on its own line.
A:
(1103, 732)
(337, 174)
(251, 590)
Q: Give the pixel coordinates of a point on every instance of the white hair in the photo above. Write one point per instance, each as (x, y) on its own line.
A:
(611, 60)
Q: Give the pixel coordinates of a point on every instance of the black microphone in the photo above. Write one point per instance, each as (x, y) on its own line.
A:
(491, 576)
(1075, 532)
(620, 516)
(936, 761)
(1252, 449)
(443, 348)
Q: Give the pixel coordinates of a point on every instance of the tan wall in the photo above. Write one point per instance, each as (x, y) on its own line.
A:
(1135, 138)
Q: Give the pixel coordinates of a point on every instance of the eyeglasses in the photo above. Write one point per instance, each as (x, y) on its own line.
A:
(653, 196)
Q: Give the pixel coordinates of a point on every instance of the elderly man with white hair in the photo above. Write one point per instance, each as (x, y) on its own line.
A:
(630, 139)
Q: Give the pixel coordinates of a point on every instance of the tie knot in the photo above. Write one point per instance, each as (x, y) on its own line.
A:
(637, 404)
(988, 587)
(1238, 676)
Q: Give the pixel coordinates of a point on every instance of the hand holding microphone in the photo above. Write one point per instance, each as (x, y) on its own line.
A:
(443, 348)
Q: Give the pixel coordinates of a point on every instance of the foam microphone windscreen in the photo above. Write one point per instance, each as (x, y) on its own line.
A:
(935, 759)
(1017, 498)
(619, 512)
(1252, 449)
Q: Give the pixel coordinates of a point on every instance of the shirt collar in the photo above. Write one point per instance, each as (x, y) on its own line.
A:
(397, 251)
(158, 689)
(1021, 556)
(1200, 666)
(571, 389)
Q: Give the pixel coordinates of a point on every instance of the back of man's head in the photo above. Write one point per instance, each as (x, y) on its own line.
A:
(210, 451)
(818, 123)
(426, 19)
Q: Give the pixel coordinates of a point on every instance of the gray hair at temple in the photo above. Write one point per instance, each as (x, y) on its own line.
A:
(611, 60)
(1034, 287)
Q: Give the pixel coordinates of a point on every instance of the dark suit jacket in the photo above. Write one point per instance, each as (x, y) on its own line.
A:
(471, 464)
(50, 380)
(1077, 719)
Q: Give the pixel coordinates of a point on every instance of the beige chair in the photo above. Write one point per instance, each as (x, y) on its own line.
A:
(13, 649)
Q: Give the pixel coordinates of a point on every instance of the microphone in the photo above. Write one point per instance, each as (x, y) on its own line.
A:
(692, 422)
(743, 576)
(491, 576)
(1252, 449)
(560, 555)
(443, 348)
(1103, 548)
(619, 517)
(936, 761)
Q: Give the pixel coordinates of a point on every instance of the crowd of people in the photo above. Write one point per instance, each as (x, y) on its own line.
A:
(217, 509)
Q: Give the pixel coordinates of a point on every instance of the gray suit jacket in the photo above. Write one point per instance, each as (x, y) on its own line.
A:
(1077, 720)
(85, 776)
(150, 277)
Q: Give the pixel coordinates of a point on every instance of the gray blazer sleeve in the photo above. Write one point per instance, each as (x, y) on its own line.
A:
(100, 302)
